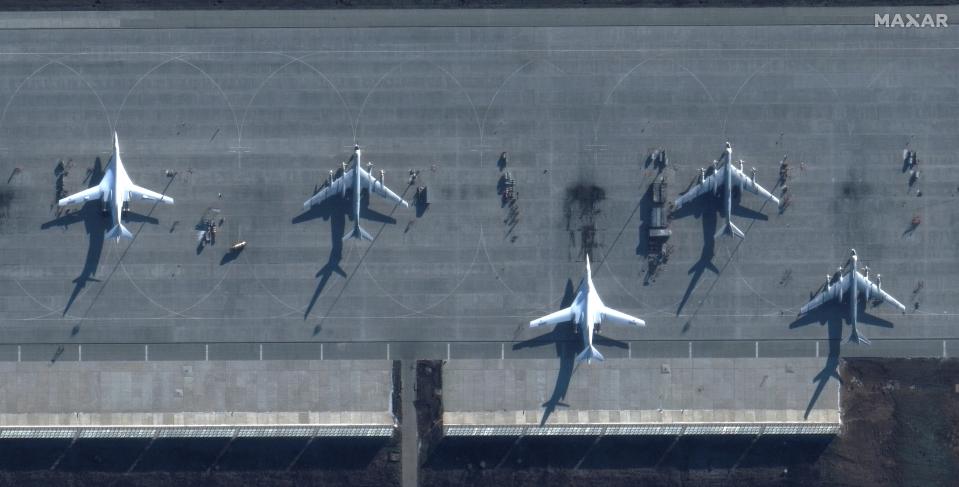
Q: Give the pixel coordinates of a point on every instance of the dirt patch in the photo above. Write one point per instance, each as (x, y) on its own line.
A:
(429, 404)
(396, 395)
(900, 423)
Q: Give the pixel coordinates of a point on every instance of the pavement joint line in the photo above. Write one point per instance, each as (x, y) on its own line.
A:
(19, 354)
(945, 354)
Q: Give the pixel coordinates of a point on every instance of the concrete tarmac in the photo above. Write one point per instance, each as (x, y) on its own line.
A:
(249, 122)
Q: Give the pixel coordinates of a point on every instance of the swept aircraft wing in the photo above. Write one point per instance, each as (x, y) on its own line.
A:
(753, 187)
(141, 193)
(561, 316)
(89, 194)
(825, 295)
(339, 185)
(379, 188)
(614, 317)
(874, 290)
(708, 183)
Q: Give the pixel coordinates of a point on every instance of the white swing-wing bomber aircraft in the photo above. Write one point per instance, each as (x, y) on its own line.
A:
(356, 178)
(851, 286)
(587, 312)
(726, 176)
(115, 189)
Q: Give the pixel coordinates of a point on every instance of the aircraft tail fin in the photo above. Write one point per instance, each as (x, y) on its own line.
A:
(858, 339)
(589, 355)
(730, 229)
(117, 232)
(358, 233)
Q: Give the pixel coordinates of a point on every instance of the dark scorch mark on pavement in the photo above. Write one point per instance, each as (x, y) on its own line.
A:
(580, 209)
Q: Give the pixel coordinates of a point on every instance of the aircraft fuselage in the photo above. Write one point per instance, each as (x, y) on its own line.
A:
(116, 194)
(588, 315)
(729, 184)
(854, 292)
(357, 183)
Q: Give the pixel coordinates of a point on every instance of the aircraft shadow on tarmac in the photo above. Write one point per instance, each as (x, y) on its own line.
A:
(708, 210)
(95, 224)
(833, 315)
(336, 209)
(568, 344)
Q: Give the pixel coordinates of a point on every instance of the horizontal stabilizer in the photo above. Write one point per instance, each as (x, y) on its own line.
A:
(730, 229)
(858, 339)
(118, 232)
(358, 233)
(589, 355)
